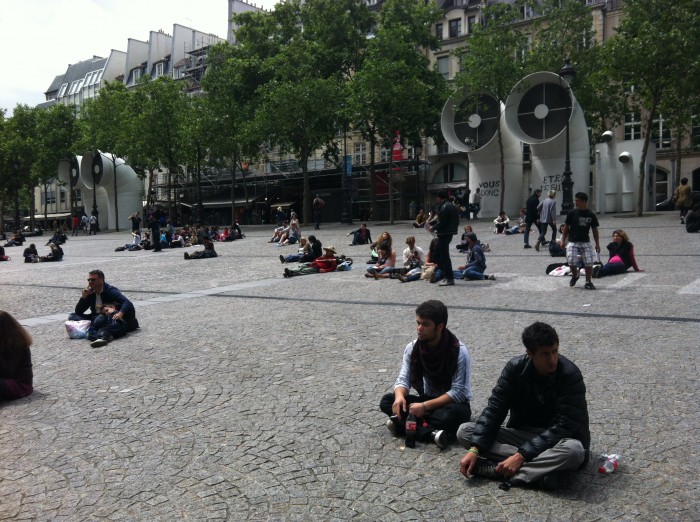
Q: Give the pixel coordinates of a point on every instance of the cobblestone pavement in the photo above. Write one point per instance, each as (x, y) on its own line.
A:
(248, 396)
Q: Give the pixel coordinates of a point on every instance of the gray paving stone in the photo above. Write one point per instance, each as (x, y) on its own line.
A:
(248, 396)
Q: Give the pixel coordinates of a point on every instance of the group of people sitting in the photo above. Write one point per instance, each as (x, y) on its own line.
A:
(416, 264)
(31, 255)
(287, 233)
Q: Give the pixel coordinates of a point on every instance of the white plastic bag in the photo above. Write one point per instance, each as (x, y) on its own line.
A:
(78, 329)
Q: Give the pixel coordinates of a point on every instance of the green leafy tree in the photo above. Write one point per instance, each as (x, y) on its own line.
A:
(655, 45)
(57, 133)
(394, 88)
(302, 54)
(21, 133)
(158, 114)
(494, 62)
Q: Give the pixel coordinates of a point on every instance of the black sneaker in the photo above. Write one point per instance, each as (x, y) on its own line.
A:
(281, 259)
(573, 280)
(549, 482)
(596, 271)
(187, 255)
(527, 246)
(441, 438)
(589, 286)
(537, 245)
(487, 469)
(394, 426)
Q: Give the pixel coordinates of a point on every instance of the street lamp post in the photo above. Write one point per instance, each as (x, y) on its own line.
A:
(95, 212)
(567, 74)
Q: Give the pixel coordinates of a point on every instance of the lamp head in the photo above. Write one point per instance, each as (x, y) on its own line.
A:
(567, 73)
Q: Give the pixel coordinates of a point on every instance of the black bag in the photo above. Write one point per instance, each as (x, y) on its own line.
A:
(555, 250)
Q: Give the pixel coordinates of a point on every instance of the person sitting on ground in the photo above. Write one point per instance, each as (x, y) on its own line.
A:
(18, 239)
(421, 219)
(692, 219)
(437, 366)
(476, 262)
(201, 254)
(177, 241)
(304, 250)
(292, 235)
(92, 298)
(224, 235)
(56, 254)
(326, 263)
(16, 376)
(413, 260)
(462, 246)
(361, 236)
(621, 256)
(384, 237)
(58, 238)
(278, 232)
(500, 223)
(30, 254)
(3, 257)
(519, 227)
(547, 430)
(385, 263)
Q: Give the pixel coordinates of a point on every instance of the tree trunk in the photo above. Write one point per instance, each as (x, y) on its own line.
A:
(502, 191)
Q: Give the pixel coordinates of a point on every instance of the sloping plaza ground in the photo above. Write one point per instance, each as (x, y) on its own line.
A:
(248, 396)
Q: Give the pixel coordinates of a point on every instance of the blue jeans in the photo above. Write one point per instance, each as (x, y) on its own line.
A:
(543, 231)
(473, 272)
(609, 269)
(385, 270)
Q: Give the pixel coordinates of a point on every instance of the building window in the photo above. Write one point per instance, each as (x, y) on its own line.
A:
(660, 133)
(455, 27)
(471, 22)
(438, 31)
(78, 195)
(62, 194)
(159, 69)
(527, 12)
(137, 74)
(443, 64)
(62, 91)
(360, 156)
(385, 154)
(633, 127)
(695, 131)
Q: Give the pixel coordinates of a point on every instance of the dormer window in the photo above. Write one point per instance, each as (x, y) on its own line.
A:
(62, 90)
(137, 74)
(159, 69)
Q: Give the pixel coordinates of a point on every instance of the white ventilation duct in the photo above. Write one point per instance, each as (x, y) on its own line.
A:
(607, 136)
(470, 124)
(537, 110)
(624, 157)
(97, 170)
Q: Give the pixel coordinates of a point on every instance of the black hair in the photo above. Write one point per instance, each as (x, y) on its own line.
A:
(98, 273)
(539, 334)
(582, 196)
(434, 310)
(312, 239)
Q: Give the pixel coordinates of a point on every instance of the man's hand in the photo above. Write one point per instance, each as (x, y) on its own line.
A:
(399, 406)
(86, 292)
(466, 465)
(511, 465)
(418, 409)
(118, 316)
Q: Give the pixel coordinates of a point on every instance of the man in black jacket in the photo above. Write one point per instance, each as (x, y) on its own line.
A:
(531, 215)
(445, 228)
(548, 426)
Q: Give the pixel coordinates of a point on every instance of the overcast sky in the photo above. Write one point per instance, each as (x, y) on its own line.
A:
(40, 38)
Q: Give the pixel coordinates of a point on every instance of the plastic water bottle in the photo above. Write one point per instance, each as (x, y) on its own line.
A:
(411, 426)
(610, 464)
